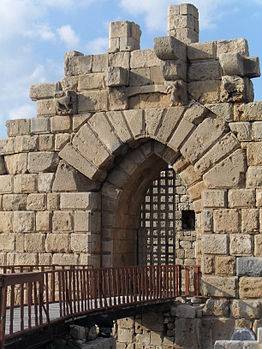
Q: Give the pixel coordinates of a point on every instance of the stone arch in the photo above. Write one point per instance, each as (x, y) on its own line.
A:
(198, 143)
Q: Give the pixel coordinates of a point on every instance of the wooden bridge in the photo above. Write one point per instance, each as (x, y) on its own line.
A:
(35, 297)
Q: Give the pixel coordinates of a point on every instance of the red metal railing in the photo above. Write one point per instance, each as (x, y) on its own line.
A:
(30, 300)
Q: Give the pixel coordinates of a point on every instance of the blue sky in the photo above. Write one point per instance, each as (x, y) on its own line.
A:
(35, 34)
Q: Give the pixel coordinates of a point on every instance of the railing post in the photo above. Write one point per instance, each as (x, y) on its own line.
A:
(196, 281)
(2, 312)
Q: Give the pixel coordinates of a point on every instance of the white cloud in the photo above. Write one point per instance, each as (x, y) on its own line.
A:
(68, 36)
(155, 11)
(98, 45)
(25, 111)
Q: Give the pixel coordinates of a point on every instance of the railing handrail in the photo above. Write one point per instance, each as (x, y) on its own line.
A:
(79, 290)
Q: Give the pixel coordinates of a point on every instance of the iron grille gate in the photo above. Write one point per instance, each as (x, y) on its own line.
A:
(156, 236)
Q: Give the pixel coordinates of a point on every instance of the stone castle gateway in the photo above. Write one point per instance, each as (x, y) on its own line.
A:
(146, 156)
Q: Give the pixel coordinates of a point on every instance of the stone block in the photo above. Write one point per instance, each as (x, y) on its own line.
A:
(25, 144)
(229, 173)
(91, 82)
(241, 198)
(53, 201)
(126, 323)
(62, 221)
(169, 48)
(215, 244)
(225, 265)
(207, 264)
(7, 242)
(190, 176)
(34, 242)
(44, 91)
(6, 222)
(125, 335)
(16, 164)
(174, 70)
(26, 259)
(93, 101)
(140, 77)
(65, 259)
(80, 201)
(236, 89)
(236, 64)
(182, 131)
(201, 51)
(250, 287)
(249, 221)
(254, 156)
(205, 135)
(46, 142)
(196, 113)
(61, 139)
(119, 124)
(80, 242)
(75, 63)
(249, 266)
(243, 130)
(24, 221)
(60, 123)
(119, 59)
(117, 76)
(209, 70)
(214, 198)
(186, 35)
(7, 146)
(2, 166)
(224, 110)
(45, 181)
(259, 198)
(18, 127)
(240, 245)
(83, 221)
(73, 157)
(143, 59)
(205, 92)
(57, 243)
(219, 286)
(14, 202)
(6, 184)
(99, 63)
(226, 221)
(258, 245)
(233, 46)
(185, 311)
(79, 120)
(254, 177)
(100, 125)
(257, 130)
(136, 122)
(248, 111)
(207, 220)
(36, 202)
(42, 162)
(43, 221)
(45, 107)
(117, 98)
(25, 183)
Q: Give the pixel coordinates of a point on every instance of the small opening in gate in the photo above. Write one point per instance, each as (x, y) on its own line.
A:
(188, 220)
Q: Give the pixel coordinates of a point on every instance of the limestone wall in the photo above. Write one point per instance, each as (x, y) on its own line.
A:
(72, 179)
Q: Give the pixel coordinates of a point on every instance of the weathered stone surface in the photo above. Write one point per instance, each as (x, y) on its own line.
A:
(250, 287)
(218, 286)
(43, 91)
(254, 156)
(209, 70)
(249, 111)
(184, 311)
(258, 245)
(243, 130)
(14, 202)
(43, 221)
(205, 92)
(240, 245)
(233, 46)
(36, 202)
(57, 243)
(25, 144)
(174, 70)
(119, 59)
(91, 81)
(254, 177)
(224, 110)
(169, 48)
(215, 243)
(42, 162)
(45, 107)
(136, 122)
(182, 131)
(214, 198)
(249, 223)
(241, 198)
(229, 173)
(249, 266)
(92, 101)
(225, 265)
(34, 242)
(236, 89)
(62, 221)
(24, 222)
(201, 50)
(105, 132)
(117, 76)
(75, 63)
(18, 127)
(80, 201)
(217, 307)
(249, 309)
(25, 183)
(143, 59)
(226, 220)
(46, 142)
